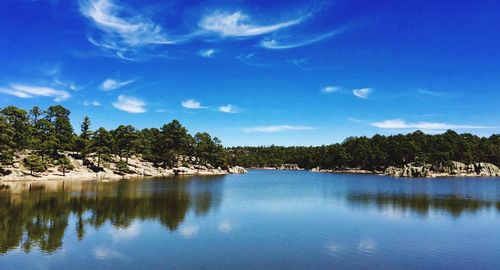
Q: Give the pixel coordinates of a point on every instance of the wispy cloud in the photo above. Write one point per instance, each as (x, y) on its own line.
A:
(123, 30)
(29, 91)
(431, 93)
(355, 120)
(192, 104)
(112, 84)
(362, 93)
(272, 43)
(238, 24)
(402, 124)
(206, 53)
(68, 84)
(130, 104)
(278, 128)
(250, 60)
(330, 89)
(228, 109)
(91, 103)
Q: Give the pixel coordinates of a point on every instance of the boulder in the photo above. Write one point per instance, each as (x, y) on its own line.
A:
(236, 170)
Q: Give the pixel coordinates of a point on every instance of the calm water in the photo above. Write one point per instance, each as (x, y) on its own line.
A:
(261, 220)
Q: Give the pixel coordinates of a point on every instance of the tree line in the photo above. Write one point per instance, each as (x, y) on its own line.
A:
(377, 152)
(48, 133)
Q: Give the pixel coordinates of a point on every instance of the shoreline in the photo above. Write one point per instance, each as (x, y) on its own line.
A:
(104, 178)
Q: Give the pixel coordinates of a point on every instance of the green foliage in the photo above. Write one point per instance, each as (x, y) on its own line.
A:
(48, 132)
(173, 141)
(83, 142)
(34, 163)
(209, 150)
(18, 119)
(63, 131)
(126, 141)
(102, 143)
(64, 164)
(122, 167)
(6, 141)
(377, 152)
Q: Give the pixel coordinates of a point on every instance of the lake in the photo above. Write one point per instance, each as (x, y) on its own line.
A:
(260, 220)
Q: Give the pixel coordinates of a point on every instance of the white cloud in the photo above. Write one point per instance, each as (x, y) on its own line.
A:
(189, 231)
(274, 44)
(28, 91)
(224, 227)
(91, 103)
(238, 24)
(70, 85)
(228, 109)
(112, 84)
(402, 124)
(355, 120)
(362, 93)
(132, 30)
(249, 59)
(330, 89)
(130, 104)
(279, 128)
(192, 104)
(207, 53)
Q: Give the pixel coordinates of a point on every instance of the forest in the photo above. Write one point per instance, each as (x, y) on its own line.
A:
(377, 152)
(48, 133)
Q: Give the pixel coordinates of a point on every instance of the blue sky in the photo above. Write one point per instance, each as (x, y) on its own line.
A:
(258, 72)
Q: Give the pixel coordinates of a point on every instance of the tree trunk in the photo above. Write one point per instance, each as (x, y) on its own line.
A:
(99, 160)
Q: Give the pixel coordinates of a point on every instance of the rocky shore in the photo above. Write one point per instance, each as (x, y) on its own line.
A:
(282, 167)
(137, 168)
(346, 170)
(454, 168)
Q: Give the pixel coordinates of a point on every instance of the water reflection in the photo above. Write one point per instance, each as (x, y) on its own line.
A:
(422, 204)
(37, 215)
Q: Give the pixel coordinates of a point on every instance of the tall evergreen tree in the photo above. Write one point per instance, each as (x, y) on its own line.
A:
(63, 131)
(174, 141)
(84, 140)
(18, 119)
(6, 141)
(102, 143)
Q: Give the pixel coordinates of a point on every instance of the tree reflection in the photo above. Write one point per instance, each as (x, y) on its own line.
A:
(37, 215)
(422, 204)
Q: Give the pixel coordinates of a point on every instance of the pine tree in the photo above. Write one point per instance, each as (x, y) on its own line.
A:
(83, 141)
(35, 164)
(64, 164)
(102, 142)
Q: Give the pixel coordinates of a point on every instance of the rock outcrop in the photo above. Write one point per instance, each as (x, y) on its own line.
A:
(237, 170)
(454, 168)
(88, 170)
(286, 166)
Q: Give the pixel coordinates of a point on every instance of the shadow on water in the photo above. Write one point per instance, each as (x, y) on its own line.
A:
(37, 214)
(422, 204)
